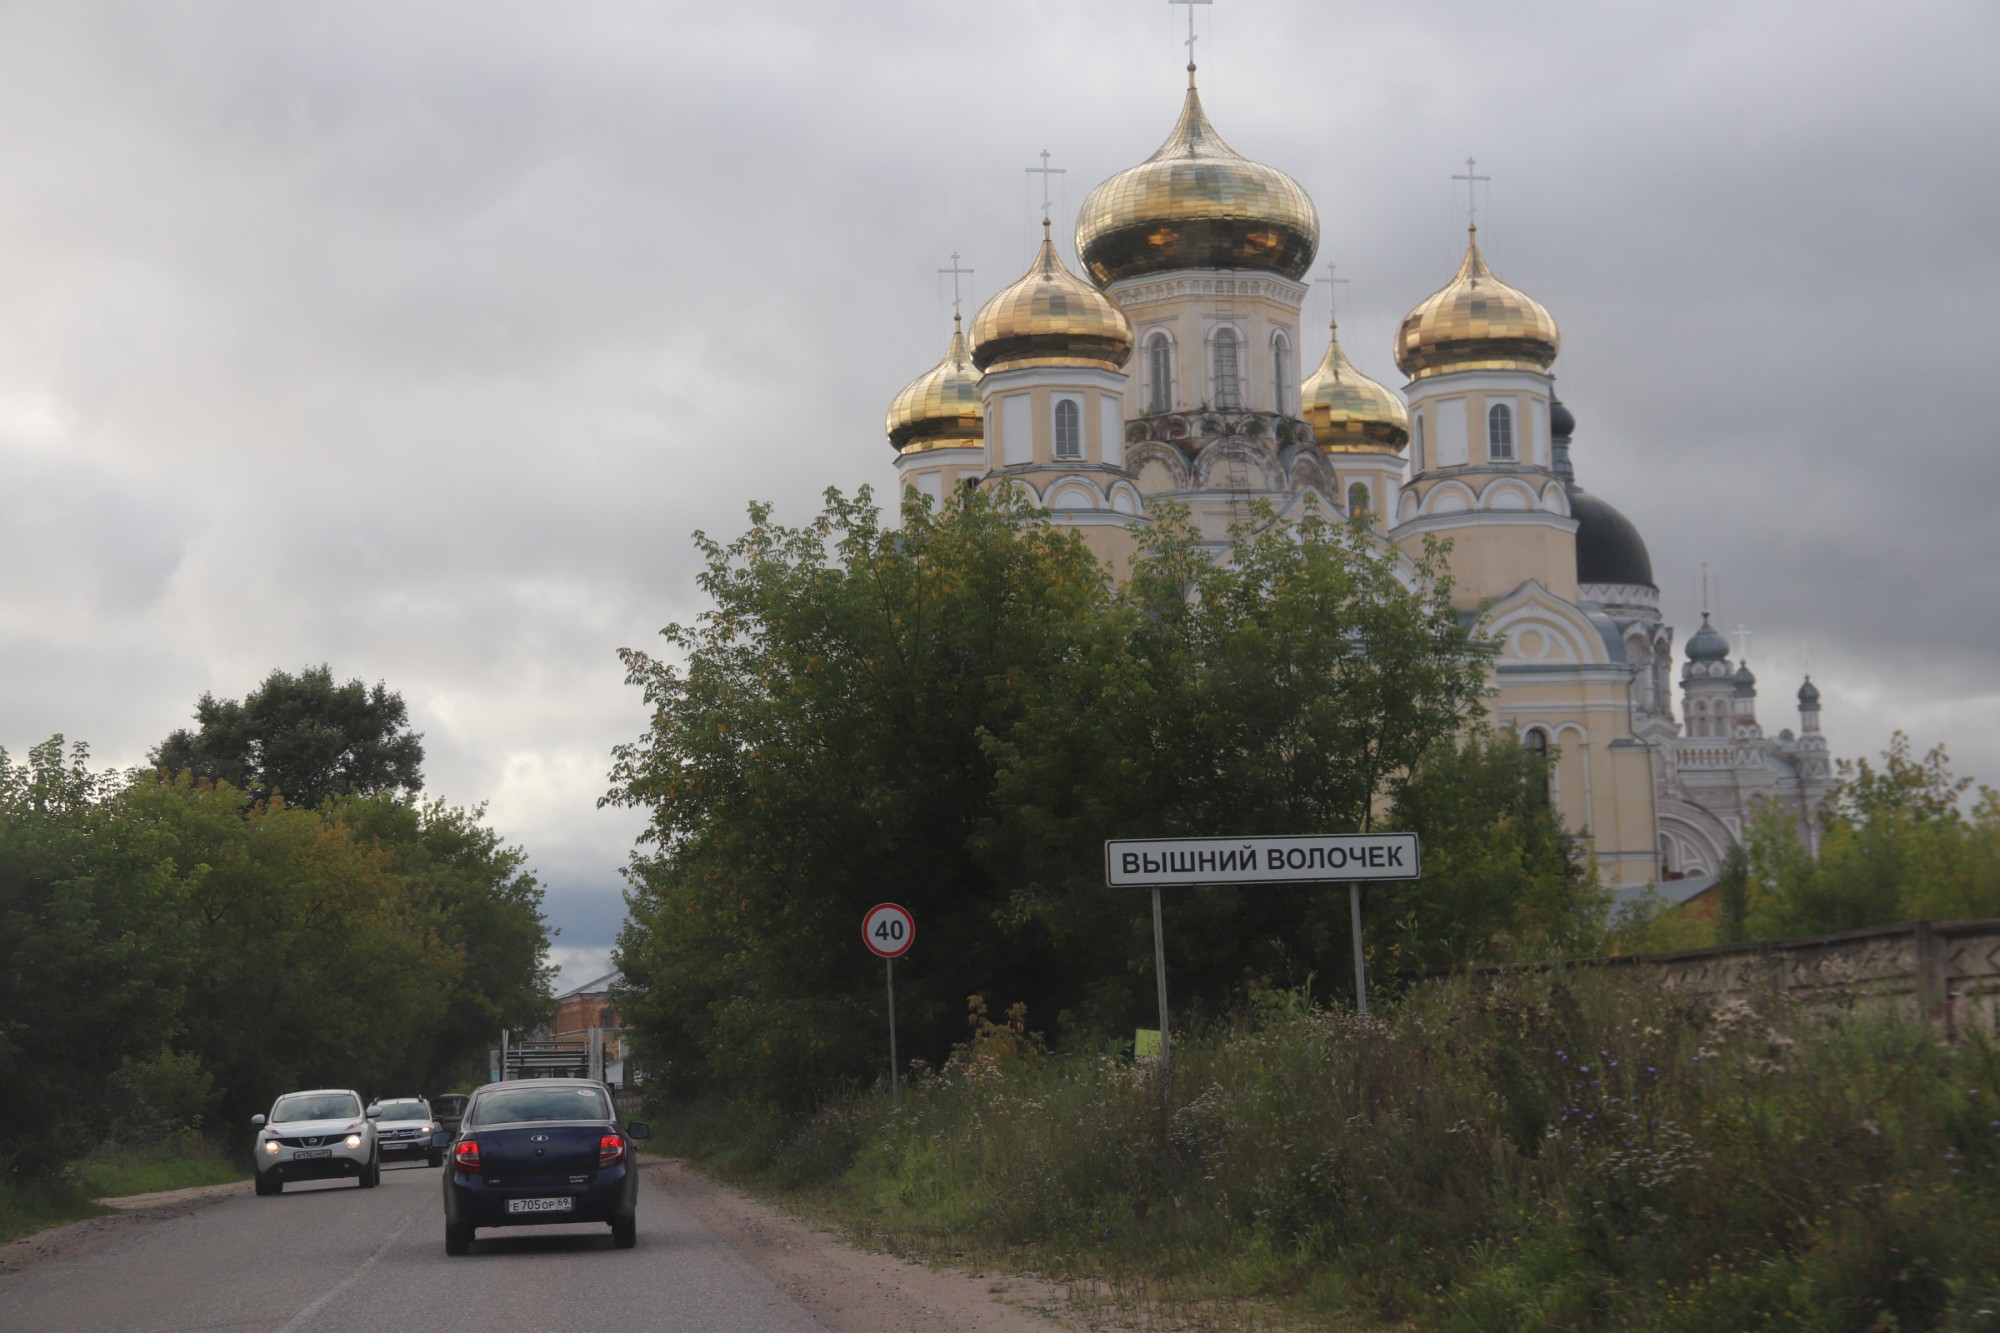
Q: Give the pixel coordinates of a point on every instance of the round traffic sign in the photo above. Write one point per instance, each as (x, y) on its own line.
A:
(888, 930)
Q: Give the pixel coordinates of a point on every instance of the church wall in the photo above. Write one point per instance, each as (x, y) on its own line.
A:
(1489, 559)
(1189, 307)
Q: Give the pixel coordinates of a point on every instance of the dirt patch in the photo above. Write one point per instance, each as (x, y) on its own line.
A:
(134, 1211)
(854, 1291)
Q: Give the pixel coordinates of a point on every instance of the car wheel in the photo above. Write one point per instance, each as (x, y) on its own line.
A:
(371, 1174)
(437, 1159)
(456, 1242)
(625, 1233)
(269, 1185)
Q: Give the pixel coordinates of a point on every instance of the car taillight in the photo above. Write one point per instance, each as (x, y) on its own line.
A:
(465, 1156)
(610, 1151)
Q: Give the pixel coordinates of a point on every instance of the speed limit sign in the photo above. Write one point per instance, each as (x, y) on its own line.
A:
(888, 930)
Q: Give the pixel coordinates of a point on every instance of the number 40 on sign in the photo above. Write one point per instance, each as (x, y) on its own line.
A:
(888, 930)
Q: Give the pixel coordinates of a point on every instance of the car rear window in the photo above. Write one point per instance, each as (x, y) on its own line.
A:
(316, 1106)
(510, 1106)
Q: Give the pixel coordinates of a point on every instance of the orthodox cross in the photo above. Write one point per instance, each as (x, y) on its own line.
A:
(1742, 637)
(1045, 171)
(955, 270)
(1191, 38)
(1471, 179)
(1333, 286)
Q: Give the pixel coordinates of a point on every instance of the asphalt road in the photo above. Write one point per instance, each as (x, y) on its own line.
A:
(330, 1256)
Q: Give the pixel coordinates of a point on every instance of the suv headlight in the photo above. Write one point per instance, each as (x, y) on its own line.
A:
(270, 1147)
(354, 1140)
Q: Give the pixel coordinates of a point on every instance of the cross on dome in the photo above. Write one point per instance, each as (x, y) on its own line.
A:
(1191, 38)
(1471, 179)
(1045, 171)
(1333, 286)
(955, 270)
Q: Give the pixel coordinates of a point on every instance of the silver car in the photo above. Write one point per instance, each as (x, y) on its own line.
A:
(323, 1134)
(405, 1127)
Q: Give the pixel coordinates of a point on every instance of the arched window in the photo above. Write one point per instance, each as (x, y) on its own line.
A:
(1357, 498)
(1069, 429)
(1500, 433)
(1536, 742)
(1228, 384)
(1159, 373)
(1281, 374)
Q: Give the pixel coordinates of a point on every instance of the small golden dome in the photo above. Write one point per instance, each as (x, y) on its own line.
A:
(1196, 203)
(940, 409)
(1476, 322)
(1349, 412)
(1050, 317)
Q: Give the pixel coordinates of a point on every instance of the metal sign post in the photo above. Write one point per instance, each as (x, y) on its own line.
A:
(1324, 858)
(888, 930)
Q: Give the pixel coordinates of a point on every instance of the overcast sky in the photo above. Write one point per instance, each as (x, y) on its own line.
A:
(416, 338)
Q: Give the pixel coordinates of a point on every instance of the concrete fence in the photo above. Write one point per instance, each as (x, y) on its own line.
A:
(1945, 972)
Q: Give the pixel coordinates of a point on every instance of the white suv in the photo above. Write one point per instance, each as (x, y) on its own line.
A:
(318, 1135)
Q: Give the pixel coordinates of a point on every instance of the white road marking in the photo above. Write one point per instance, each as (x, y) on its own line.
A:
(305, 1316)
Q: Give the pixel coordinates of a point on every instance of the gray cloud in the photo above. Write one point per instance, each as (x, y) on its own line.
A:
(417, 340)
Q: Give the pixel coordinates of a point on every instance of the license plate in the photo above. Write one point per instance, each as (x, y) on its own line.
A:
(304, 1153)
(541, 1205)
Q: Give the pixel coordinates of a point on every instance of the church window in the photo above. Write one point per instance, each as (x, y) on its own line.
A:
(1536, 742)
(1159, 373)
(1357, 498)
(1500, 433)
(1228, 383)
(1069, 429)
(1416, 441)
(1281, 373)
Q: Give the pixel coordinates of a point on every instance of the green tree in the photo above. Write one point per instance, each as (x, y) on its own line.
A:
(93, 954)
(821, 749)
(303, 736)
(955, 715)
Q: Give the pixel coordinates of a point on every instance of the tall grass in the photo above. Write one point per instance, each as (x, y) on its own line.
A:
(1543, 1151)
(31, 1205)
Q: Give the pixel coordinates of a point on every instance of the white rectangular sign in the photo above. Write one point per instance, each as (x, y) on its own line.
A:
(1152, 863)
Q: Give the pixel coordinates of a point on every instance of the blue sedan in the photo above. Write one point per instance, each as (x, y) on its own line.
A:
(548, 1150)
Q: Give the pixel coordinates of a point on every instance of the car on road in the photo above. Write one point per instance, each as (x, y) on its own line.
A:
(450, 1109)
(322, 1134)
(542, 1151)
(405, 1127)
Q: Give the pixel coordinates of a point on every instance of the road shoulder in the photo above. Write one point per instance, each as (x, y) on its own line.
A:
(852, 1290)
(134, 1211)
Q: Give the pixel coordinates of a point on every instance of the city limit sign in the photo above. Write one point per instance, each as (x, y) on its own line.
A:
(1153, 863)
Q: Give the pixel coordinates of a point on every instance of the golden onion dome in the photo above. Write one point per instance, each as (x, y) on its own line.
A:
(941, 408)
(1050, 317)
(1349, 412)
(1476, 322)
(1196, 203)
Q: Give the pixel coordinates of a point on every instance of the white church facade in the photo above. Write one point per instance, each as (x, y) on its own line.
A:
(1170, 370)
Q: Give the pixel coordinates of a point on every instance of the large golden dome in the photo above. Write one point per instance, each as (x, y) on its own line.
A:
(1050, 317)
(1349, 412)
(1196, 203)
(940, 409)
(1476, 322)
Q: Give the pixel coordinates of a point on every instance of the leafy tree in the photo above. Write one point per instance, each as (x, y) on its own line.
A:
(302, 736)
(955, 715)
(93, 957)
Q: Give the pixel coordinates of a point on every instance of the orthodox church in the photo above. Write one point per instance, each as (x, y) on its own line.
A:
(1169, 370)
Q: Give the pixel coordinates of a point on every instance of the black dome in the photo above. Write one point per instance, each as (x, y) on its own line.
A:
(1562, 422)
(1608, 548)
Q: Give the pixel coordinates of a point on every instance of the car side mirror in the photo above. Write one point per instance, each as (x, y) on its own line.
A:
(374, 1113)
(638, 1129)
(256, 1119)
(441, 1139)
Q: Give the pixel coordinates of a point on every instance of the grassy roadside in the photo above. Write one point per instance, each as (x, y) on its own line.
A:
(1553, 1152)
(28, 1206)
